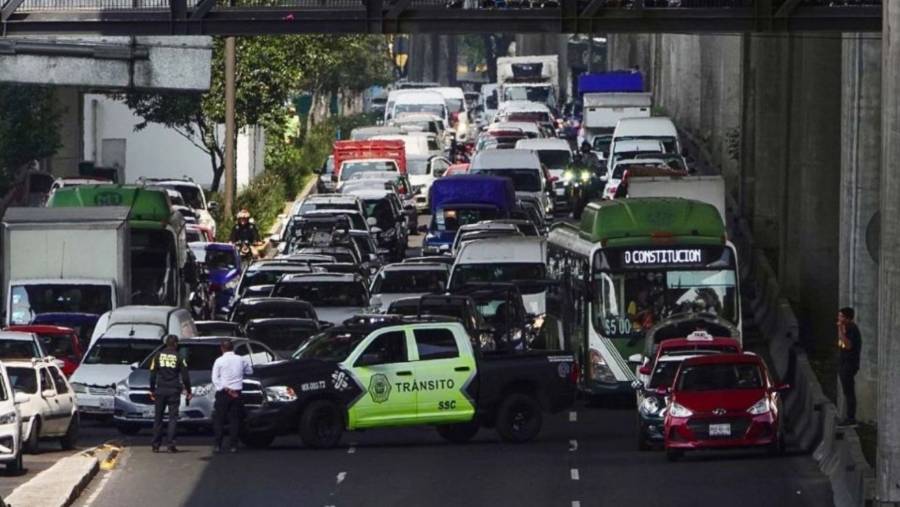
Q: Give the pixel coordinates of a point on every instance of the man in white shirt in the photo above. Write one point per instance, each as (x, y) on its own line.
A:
(228, 378)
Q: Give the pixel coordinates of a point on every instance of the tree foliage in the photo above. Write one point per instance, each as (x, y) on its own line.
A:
(269, 71)
(29, 126)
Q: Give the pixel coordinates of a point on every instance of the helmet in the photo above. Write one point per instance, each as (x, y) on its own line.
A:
(243, 214)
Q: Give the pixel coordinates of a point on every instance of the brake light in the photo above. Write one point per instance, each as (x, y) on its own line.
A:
(454, 119)
(573, 375)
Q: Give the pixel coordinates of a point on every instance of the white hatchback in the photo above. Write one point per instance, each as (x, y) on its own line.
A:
(10, 424)
(47, 403)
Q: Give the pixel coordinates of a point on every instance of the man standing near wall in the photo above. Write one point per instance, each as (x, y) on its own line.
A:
(849, 345)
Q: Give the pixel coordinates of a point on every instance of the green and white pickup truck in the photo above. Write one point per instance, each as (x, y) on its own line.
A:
(400, 371)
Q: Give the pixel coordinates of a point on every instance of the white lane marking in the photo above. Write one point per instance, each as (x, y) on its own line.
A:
(573, 416)
(351, 450)
(576, 503)
(573, 445)
(99, 488)
(574, 473)
(341, 476)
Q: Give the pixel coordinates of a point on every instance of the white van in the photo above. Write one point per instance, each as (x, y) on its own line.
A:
(659, 128)
(458, 109)
(146, 322)
(419, 101)
(523, 167)
(415, 143)
(10, 424)
(504, 259)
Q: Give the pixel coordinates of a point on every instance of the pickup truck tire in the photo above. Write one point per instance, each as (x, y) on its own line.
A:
(519, 418)
(459, 433)
(70, 439)
(321, 425)
(257, 440)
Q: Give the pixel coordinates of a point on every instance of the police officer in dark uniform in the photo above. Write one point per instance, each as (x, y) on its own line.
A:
(168, 378)
(244, 229)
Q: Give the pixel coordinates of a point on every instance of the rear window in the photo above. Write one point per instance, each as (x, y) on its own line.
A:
(334, 294)
(719, 377)
(120, 351)
(400, 282)
(23, 380)
(59, 345)
(18, 349)
(555, 159)
(435, 344)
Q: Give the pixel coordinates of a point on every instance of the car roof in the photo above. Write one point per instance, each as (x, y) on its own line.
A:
(505, 159)
(330, 198)
(725, 359)
(330, 212)
(680, 357)
(523, 106)
(16, 336)
(281, 321)
(416, 266)
(368, 323)
(369, 193)
(272, 301)
(211, 340)
(550, 143)
(41, 329)
(673, 343)
(321, 277)
(524, 126)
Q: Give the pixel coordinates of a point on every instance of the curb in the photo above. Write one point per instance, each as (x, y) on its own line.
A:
(282, 220)
(61, 484)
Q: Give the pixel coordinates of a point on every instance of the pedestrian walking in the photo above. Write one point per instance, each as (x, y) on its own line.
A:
(228, 379)
(168, 379)
(849, 346)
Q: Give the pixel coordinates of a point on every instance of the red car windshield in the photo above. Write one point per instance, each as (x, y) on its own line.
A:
(719, 377)
(57, 345)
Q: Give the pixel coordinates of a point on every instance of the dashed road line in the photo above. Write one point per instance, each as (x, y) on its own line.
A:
(574, 474)
(573, 416)
(573, 445)
(576, 503)
(351, 450)
(341, 476)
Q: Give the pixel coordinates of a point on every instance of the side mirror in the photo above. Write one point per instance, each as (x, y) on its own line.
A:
(48, 393)
(371, 221)
(422, 229)
(21, 398)
(212, 206)
(645, 370)
(135, 365)
(604, 179)
(635, 359)
(373, 258)
(374, 230)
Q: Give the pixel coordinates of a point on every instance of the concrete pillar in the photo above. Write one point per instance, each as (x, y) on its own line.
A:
(887, 489)
(808, 265)
(859, 200)
(65, 161)
(765, 131)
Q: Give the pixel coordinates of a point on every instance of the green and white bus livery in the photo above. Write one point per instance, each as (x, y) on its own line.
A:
(631, 265)
(383, 371)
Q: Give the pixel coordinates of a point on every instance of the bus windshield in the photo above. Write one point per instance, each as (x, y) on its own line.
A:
(628, 300)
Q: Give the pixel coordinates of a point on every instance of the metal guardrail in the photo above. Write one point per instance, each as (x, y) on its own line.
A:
(240, 17)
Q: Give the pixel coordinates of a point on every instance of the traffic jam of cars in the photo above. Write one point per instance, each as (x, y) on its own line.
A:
(562, 257)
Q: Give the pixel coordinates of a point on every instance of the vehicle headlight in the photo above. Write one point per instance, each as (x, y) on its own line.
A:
(678, 410)
(650, 406)
(585, 175)
(568, 175)
(232, 284)
(202, 390)
(760, 407)
(280, 393)
(417, 188)
(121, 388)
(600, 371)
(79, 388)
(8, 418)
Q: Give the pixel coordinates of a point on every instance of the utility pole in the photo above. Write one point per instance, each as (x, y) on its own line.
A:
(229, 126)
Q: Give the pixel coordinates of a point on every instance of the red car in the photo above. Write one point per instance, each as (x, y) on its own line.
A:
(60, 342)
(698, 342)
(723, 401)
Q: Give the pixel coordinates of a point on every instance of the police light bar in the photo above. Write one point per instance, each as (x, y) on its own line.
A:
(700, 336)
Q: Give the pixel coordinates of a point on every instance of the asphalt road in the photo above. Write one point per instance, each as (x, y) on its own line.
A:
(585, 459)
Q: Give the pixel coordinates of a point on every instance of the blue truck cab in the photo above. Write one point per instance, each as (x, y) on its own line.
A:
(461, 200)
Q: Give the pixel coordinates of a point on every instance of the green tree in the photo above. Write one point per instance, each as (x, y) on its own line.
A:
(29, 127)
(269, 71)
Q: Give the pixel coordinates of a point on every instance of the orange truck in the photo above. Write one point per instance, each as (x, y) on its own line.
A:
(344, 151)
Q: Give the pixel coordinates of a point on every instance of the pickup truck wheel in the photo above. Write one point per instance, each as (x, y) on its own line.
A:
(459, 433)
(70, 439)
(34, 438)
(321, 425)
(519, 418)
(257, 440)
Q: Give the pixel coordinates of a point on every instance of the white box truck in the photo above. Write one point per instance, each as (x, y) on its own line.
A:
(603, 110)
(531, 78)
(65, 260)
(708, 189)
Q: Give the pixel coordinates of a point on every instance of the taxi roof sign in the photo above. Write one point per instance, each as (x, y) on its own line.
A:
(700, 336)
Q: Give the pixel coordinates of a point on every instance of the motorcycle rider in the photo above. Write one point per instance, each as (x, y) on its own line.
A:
(245, 229)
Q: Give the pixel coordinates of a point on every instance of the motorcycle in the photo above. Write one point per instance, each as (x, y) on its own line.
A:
(245, 248)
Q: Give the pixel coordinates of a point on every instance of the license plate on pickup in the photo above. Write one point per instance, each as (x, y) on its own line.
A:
(106, 403)
(720, 430)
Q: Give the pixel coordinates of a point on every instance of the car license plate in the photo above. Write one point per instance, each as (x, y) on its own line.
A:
(720, 430)
(106, 403)
(149, 412)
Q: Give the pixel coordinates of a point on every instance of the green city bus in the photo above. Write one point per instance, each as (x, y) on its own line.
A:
(158, 244)
(631, 264)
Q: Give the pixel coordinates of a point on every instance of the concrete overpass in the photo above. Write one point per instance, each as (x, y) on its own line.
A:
(221, 17)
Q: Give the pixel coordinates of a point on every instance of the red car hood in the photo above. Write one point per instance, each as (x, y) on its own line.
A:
(737, 400)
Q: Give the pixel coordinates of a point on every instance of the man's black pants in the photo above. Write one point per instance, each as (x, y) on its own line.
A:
(170, 402)
(848, 384)
(230, 409)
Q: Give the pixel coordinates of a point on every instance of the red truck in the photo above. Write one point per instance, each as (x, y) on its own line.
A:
(344, 151)
(60, 342)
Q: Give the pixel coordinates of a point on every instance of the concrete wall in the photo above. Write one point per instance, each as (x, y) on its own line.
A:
(158, 151)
